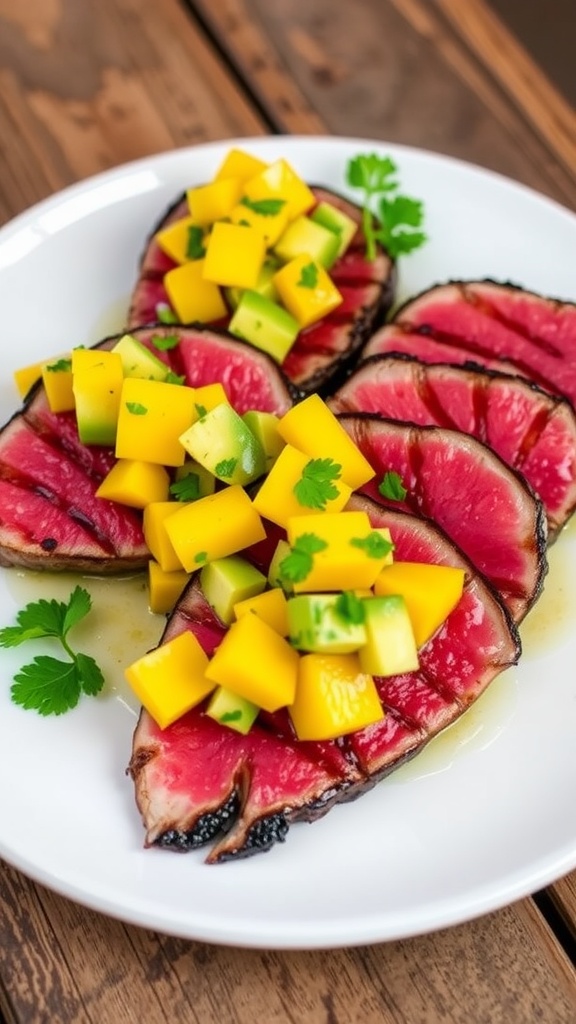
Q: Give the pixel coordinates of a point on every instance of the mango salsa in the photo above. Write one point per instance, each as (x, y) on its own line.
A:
(333, 697)
(279, 180)
(182, 240)
(57, 381)
(234, 255)
(170, 680)
(208, 203)
(135, 483)
(268, 680)
(156, 537)
(306, 290)
(239, 164)
(313, 428)
(212, 527)
(164, 588)
(348, 554)
(191, 296)
(151, 417)
(430, 592)
(277, 499)
(271, 606)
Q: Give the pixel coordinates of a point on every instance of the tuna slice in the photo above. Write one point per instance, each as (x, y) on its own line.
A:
(197, 781)
(491, 324)
(321, 350)
(532, 431)
(464, 488)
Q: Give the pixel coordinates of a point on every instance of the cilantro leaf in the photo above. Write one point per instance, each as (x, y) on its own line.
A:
(47, 685)
(60, 366)
(174, 378)
(316, 485)
(265, 207)
(136, 408)
(164, 342)
(374, 545)
(201, 557)
(200, 409)
(194, 247)
(350, 608)
(376, 177)
(395, 214)
(230, 716)
(308, 276)
(298, 564)
(225, 468)
(186, 489)
(165, 315)
(89, 675)
(391, 486)
(79, 604)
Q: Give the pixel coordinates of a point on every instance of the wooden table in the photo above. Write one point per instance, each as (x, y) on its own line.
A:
(87, 85)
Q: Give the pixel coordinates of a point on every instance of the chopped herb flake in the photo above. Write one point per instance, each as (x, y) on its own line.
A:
(136, 408)
(164, 342)
(308, 276)
(298, 564)
(350, 608)
(265, 207)
(316, 485)
(194, 247)
(374, 545)
(225, 468)
(60, 366)
(165, 315)
(391, 487)
(230, 716)
(175, 378)
(201, 557)
(186, 489)
(200, 409)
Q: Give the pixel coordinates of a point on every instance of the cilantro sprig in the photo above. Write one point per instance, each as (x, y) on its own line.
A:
(298, 564)
(396, 221)
(49, 685)
(391, 486)
(316, 486)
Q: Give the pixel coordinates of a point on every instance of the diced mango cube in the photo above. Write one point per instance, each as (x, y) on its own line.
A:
(333, 697)
(156, 537)
(271, 225)
(271, 606)
(390, 647)
(306, 290)
(280, 180)
(151, 418)
(97, 386)
(182, 240)
(208, 203)
(28, 375)
(231, 710)
(234, 255)
(135, 483)
(171, 680)
(431, 592)
(164, 588)
(85, 358)
(313, 428)
(208, 396)
(225, 581)
(57, 380)
(348, 553)
(278, 501)
(220, 524)
(239, 164)
(268, 679)
(191, 296)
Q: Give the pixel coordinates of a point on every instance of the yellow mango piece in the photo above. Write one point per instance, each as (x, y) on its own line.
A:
(97, 384)
(208, 203)
(431, 592)
(270, 225)
(276, 499)
(271, 606)
(208, 396)
(57, 380)
(346, 559)
(279, 180)
(306, 290)
(239, 164)
(151, 417)
(182, 240)
(86, 358)
(268, 680)
(313, 428)
(191, 296)
(156, 537)
(333, 697)
(215, 526)
(135, 483)
(234, 256)
(164, 588)
(171, 680)
(28, 375)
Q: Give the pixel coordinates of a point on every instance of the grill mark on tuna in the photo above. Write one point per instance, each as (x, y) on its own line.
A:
(483, 305)
(28, 485)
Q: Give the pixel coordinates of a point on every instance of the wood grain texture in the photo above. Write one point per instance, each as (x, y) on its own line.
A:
(563, 895)
(62, 963)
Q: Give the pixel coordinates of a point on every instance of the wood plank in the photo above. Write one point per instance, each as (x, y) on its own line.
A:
(563, 896)
(63, 963)
(400, 71)
(546, 30)
(83, 92)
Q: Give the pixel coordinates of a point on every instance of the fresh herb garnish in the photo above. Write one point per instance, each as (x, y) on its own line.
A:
(375, 175)
(60, 366)
(316, 485)
(201, 410)
(164, 342)
(298, 564)
(230, 716)
(194, 248)
(391, 487)
(186, 489)
(374, 545)
(174, 378)
(201, 557)
(49, 685)
(265, 207)
(308, 276)
(225, 467)
(136, 408)
(165, 315)
(350, 608)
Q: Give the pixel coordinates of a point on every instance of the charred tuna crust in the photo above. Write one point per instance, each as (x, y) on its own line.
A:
(198, 782)
(322, 351)
(492, 514)
(499, 325)
(533, 431)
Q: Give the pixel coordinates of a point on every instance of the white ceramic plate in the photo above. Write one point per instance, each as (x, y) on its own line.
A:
(482, 817)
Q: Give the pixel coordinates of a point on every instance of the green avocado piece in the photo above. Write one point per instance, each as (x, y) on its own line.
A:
(222, 442)
(281, 551)
(225, 581)
(264, 426)
(264, 285)
(138, 361)
(390, 645)
(304, 236)
(231, 710)
(335, 220)
(192, 481)
(317, 625)
(265, 324)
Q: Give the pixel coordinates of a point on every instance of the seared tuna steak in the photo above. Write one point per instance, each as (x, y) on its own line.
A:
(533, 431)
(465, 489)
(197, 781)
(321, 350)
(490, 324)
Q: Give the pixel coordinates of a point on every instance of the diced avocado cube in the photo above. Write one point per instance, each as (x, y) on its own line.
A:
(264, 426)
(304, 236)
(318, 622)
(390, 645)
(97, 390)
(138, 361)
(222, 443)
(335, 220)
(281, 551)
(192, 481)
(264, 285)
(226, 581)
(232, 710)
(265, 324)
